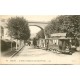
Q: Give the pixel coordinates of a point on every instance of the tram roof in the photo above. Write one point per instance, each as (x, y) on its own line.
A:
(58, 34)
(65, 38)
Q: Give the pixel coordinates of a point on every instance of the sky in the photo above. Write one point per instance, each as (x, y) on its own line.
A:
(33, 18)
(41, 18)
(34, 30)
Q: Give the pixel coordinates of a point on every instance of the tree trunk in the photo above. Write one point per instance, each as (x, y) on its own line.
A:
(11, 44)
(19, 44)
(16, 44)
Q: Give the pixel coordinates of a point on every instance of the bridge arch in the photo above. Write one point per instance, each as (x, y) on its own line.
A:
(39, 27)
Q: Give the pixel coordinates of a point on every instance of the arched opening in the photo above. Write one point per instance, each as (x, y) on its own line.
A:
(34, 29)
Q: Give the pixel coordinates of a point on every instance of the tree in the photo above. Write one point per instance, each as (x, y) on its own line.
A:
(40, 34)
(18, 28)
(69, 24)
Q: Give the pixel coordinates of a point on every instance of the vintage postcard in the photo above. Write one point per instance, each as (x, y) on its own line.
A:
(40, 39)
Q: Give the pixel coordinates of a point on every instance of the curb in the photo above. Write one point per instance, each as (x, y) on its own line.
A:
(17, 52)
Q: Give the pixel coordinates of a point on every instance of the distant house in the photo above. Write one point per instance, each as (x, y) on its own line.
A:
(4, 30)
(56, 36)
(1, 32)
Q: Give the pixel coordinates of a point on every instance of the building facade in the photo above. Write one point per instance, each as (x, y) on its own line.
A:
(4, 30)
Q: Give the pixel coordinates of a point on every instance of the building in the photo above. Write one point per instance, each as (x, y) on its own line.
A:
(3, 30)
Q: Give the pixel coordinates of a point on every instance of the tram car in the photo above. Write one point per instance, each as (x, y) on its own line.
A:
(61, 45)
(65, 45)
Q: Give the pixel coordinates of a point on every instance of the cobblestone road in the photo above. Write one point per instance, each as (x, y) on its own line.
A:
(30, 55)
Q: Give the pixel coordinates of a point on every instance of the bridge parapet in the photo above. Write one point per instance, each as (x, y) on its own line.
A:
(38, 24)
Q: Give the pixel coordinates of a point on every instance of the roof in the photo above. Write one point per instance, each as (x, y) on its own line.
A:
(6, 40)
(58, 34)
(64, 38)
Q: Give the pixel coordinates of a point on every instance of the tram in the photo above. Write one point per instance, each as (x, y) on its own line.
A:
(61, 45)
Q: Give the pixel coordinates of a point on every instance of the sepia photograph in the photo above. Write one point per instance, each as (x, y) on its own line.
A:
(40, 39)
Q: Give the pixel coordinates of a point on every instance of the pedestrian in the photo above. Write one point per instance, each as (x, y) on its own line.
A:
(34, 42)
(29, 43)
